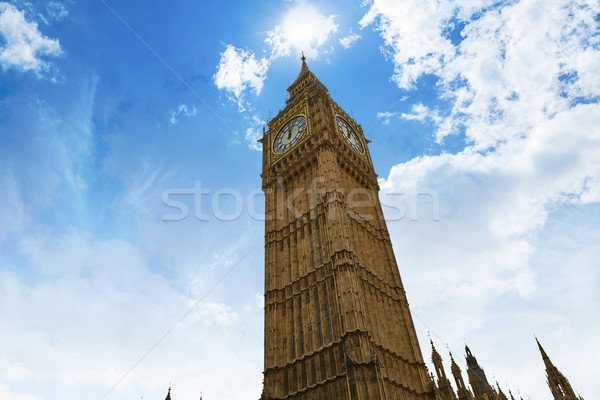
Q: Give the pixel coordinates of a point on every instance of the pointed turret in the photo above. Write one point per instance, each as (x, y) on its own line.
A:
(545, 357)
(463, 392)
(559, 385)
(436, 359)
(444, 386)
(168, 394)
(501, 394)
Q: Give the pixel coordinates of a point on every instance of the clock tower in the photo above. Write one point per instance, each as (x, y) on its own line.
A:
(337, 321)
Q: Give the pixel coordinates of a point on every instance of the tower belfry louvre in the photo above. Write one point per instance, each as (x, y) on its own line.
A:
(337, 320)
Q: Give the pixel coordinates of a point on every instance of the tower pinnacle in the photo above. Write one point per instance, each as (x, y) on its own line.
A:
(545, 357)
(444, 387)
(304, 69)
(463, 392)
(303, 83)
(559, 384)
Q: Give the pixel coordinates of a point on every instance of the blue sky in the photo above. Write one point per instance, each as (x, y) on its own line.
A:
(491, 107)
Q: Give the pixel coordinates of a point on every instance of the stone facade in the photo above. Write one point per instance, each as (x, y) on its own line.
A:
(337, 323)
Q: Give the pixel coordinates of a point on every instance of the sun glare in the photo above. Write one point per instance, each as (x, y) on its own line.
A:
(304, 28)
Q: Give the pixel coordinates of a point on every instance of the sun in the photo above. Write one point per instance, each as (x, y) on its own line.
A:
(304, 28)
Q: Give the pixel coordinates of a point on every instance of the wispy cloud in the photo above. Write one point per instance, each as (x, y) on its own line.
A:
(422, 113)
(182, 110)
(15, 213)
(57, 10)
(349, 40)
(254, 132)
(386, 116)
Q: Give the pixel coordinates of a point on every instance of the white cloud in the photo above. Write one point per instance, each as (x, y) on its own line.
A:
(239, 70)
(24, 44)
(182, 110)
(525, 96)
(349, 40)
(304, 28)
(413, 36)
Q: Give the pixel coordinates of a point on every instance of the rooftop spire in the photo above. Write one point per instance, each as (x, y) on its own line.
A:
(558, 383)
(168, 394)
(545, 357)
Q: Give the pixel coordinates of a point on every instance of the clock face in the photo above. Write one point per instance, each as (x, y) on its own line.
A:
(348, 133)
(289, 134)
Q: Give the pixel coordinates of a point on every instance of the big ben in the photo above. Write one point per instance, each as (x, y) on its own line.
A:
(337, 320)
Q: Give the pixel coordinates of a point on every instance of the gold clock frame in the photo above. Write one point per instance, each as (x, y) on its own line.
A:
(356, 132)
(301, 111)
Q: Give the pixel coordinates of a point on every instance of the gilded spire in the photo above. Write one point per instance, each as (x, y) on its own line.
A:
(305, 81)
(304, 68)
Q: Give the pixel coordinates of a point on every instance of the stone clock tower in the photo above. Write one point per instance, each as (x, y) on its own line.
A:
(337, 322)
